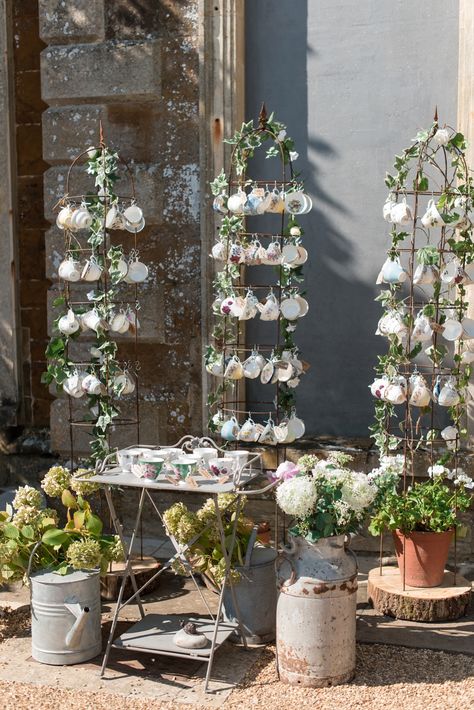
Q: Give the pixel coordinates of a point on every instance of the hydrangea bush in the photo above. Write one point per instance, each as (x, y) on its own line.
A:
(326, 498)
(205, 554)
(28, 527)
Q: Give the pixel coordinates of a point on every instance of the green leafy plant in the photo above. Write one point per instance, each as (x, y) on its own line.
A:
(27, 529)
(433, 505)
(205, 555)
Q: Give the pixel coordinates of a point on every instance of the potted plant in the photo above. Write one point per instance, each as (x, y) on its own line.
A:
(252, 570)
(63, 564)
(423, 520)
(317, 604)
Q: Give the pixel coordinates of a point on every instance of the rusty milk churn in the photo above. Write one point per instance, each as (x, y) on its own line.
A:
(316, 612)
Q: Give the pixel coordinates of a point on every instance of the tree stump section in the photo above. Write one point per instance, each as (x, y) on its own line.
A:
(444, 603)
(143, 569)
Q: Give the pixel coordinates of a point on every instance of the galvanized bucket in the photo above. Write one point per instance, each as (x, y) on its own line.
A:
(65, 617)
(256, 595)
(316, 612)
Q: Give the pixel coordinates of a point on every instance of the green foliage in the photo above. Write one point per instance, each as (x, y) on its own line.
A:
(430, 506)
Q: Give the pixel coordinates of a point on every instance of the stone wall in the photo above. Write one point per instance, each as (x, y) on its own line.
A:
(30, 222)
(135, 67)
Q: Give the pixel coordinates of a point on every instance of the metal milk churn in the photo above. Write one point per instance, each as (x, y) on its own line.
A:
(65, 617)
(316, 612)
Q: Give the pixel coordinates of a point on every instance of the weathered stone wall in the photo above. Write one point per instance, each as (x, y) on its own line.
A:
(30, 223)
(135, 67)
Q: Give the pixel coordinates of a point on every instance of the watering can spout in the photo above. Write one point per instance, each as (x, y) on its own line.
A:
(73, 637)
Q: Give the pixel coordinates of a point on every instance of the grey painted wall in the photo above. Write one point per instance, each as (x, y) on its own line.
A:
(353, 81)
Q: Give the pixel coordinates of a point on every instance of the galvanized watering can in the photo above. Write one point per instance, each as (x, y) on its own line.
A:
(316, 612)
(65, 617)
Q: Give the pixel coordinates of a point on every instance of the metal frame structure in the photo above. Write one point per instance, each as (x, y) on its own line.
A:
(160, 642)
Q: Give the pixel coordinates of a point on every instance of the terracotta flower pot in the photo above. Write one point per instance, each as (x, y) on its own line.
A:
(426, 554)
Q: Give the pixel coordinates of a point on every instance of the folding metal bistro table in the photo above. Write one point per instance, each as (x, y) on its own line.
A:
(154, 633)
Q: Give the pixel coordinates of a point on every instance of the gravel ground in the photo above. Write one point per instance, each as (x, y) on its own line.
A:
(387, 677)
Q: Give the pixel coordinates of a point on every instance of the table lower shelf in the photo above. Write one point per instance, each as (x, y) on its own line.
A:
(155, 633)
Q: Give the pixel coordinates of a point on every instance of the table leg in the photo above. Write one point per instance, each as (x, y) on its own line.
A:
(119, 531)
(126, 574)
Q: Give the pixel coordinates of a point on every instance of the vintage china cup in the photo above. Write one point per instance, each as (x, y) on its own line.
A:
(448, 395)
(92, 271)
(270, 309)
(68, 324)
(204, 454)
(92, 320)
(450, 434)
(185, 466)
(137, 272)
(420, 394)
(69, 270)
(128, 457)
(240, 456)
(387, 209)
(452, 329)
(247, 430)
(63, 220)
(392, 272)
(425, 274)
(133, 214)
(224, 466)
(72, 385)
(125, 383)
(154, 466)
(432, 217)
(230, 429)
(236, 202)
(378, 386)
(234, 369)
(267, 436)
(119, 323)
(401, 213)
(422, 330)
(252, 367)
(276, 202)
(396, 391)
(295, 202)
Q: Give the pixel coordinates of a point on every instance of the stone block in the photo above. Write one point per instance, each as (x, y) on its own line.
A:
(129, 19)
(30, 205)
(127, 71)
(81, 20)
(147, 189)
(134, 130)
(152, 427)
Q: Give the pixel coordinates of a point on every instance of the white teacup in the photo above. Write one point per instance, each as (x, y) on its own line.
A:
(452, 329)
(236, 202)
(128, 457)
(137, 272)
(63, 220)
(251, 366)
(401, 213)
(69, 270)
(425, 274)
(247, 430)
(269, 310)
(224, 466)
(92, 385)
(125, 383)
(432, 217)
(72, 385)
(450, 434)
(68, 324)
(92, 320)
(420, 395)
(120, 323)
(448, 396)
(422, 330)
(204, 454)
(92, 271)
(387, 209)
(290, 308)
(81, 218)
(240, 456)
(133, 214)
(234, 369)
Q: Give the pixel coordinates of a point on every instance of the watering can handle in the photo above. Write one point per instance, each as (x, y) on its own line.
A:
(278, 563)
(30, 561)
(250, 546)
(347, 548)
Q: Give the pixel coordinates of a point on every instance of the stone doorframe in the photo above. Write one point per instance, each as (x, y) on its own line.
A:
(465, 123)
(222, 110)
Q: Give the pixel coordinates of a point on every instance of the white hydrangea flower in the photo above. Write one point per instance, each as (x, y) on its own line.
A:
(27, 496)
(297, 496)
(358, 492)
(343, 512)
(461, 478)
(438, 471)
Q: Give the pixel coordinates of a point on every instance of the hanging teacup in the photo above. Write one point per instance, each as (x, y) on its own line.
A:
(267, 372)
(68, 324)
(396, 391)
(432, 217)
(401, 213)
(420, 394)
(92, 385)
(249, 307)
(303, 304)
(276, 202)
(124, 383)
(302, 257)
(227, 305)
(281, 432)
(230, 429)
(70, 269)
(467, 357)
(295, 202)
(450, 434)
(289, 254)
(449, 396)
(450, 271)
(234, 369)
(392, 272)
(220, 204)
(72, 385)
(133, 214)
(267, 436)
(442, 136)
(137, 271)
(63, 220)
(422, 330)
(119, 323)
(296, 425)
(216, 367)
(272, 254)
(269, 310)
(391, 323)
(219, 251)
(251, 365)
(256, 201)
(236, 202)
(92, 270)
(284, 370)
(247, 430)
(252, 253)
(425, 274)
(81, 218)
(378, 386)
(467, 328)
(290, 308)
(236, 253)
(452, 329)
(387, 208)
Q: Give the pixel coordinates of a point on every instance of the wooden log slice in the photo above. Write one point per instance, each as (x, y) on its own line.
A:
(143, 569)
(443, 603)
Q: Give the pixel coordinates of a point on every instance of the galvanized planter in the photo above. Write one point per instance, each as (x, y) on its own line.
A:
(65, 617)
(316, 612)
